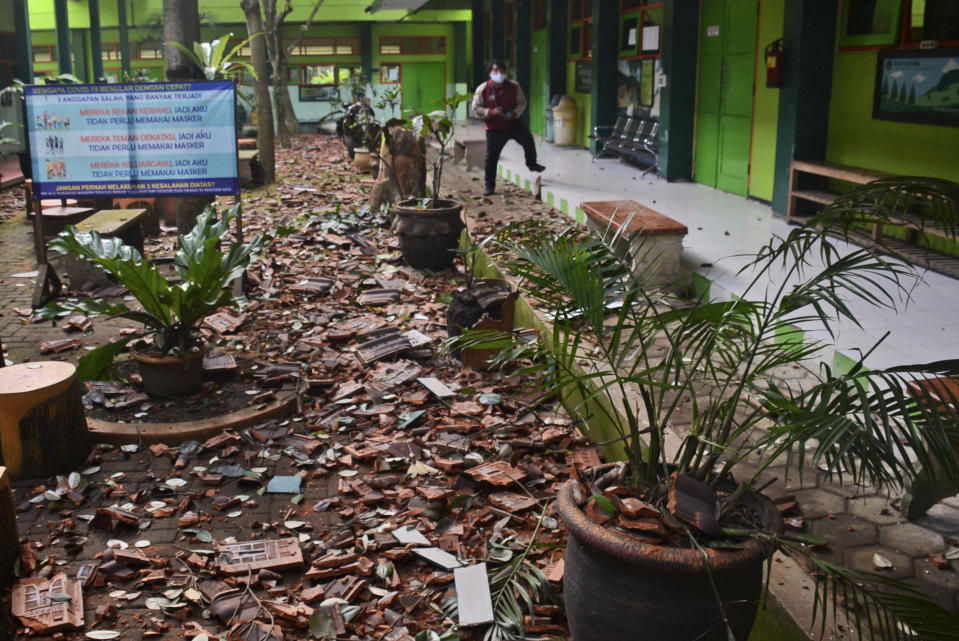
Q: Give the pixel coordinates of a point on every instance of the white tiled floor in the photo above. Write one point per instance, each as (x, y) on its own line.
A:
(722, 226)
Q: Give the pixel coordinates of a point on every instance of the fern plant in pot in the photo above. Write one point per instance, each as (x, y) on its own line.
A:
(673, 540)
(429, 228)
(171, 312)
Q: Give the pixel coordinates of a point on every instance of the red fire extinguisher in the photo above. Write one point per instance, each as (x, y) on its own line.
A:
(774, 64)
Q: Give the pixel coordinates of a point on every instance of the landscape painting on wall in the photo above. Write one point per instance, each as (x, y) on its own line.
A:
(918, 86)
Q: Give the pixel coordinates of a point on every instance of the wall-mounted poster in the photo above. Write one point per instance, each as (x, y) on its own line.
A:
(646, 83)
(584, 76)
(918, 86)
(132, 139)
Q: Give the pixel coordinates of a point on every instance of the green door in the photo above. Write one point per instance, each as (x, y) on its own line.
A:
(536, 92)
(423, 85)
(726, 83)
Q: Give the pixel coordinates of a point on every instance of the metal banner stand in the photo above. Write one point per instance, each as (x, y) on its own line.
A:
(48, 284)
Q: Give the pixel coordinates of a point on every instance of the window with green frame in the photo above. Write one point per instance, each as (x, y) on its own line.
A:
(640, 29)
(904, 23)
(318, 74)
(870, 23)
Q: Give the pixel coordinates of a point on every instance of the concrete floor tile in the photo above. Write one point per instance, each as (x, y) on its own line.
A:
(846, 531)
(862, 559)
(816, 503)
(911, 539)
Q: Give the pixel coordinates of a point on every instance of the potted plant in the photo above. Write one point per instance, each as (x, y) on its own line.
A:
(673, 540)
(171, 312)
(429, 228)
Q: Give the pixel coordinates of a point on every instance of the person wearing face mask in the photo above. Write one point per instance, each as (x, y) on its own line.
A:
(500, 102)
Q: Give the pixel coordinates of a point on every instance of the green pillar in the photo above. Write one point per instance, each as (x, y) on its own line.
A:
(603, 98)
(366, 50)
(479, 64)
(64, 64)
(803, 131)
(524, 47)
(677, 113)
(21, 26)
(96, 46)
(558, 19)
(497, 29)
(459, 53)
(124, 39)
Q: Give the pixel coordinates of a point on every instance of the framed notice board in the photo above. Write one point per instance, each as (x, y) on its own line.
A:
(584, 76)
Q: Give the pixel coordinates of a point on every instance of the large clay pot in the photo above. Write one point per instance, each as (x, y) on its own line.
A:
(617, 588)
(429, 237)
(171, 375)
(362, 160)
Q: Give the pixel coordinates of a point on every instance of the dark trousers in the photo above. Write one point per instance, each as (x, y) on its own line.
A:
(496, 139)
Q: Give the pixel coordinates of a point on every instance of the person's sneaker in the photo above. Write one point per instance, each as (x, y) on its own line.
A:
(536, 168)
(489, 191)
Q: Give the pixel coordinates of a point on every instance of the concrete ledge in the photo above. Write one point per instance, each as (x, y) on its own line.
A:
(173, 433)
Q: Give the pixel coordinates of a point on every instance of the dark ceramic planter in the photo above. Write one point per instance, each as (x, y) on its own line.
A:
(171, 376)
(428, 237)
(619, 589)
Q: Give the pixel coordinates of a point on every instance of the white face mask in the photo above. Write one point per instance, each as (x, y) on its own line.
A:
(497, 77)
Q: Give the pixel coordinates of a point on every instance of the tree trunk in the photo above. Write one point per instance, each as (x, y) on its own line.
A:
(402, 169)
(181, 23)
(285, 116)
(265, 143)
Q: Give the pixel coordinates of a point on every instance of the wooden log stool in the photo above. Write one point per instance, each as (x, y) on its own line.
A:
(43, 430)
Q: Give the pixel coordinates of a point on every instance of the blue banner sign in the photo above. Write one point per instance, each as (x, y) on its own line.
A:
(133, 139)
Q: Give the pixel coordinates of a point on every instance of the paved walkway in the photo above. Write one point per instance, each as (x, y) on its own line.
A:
(723, 226)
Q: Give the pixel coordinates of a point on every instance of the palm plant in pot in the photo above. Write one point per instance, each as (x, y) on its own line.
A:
(673, 540)
(171, 312)
(429, 228)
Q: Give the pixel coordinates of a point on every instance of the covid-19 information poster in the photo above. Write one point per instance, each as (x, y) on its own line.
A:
(133, 139)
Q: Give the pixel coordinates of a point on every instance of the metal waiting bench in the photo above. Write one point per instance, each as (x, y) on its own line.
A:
(630, 139)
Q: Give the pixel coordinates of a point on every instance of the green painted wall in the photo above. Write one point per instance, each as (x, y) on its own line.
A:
(766, 110)
(536, 92)
(902, 148)
(582, 106)
(228, 11)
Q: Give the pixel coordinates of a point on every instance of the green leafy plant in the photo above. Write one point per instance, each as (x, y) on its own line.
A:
(5, 140)
(516, 586)
(437, 126)
(689, 386)
(215, 60)
(171, 312)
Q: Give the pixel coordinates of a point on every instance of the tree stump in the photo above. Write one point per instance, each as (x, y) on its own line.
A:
(402, 168)
(43, 430)
(9, 538)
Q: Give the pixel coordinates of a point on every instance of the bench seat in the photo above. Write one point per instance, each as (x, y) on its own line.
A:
(655, 241)
(125, 224)
(473, 150)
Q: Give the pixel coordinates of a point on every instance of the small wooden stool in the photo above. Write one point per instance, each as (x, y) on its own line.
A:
(124, 224)
(43, 430)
